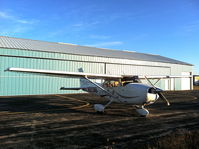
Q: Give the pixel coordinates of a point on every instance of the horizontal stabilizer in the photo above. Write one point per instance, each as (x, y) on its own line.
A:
(66, 88)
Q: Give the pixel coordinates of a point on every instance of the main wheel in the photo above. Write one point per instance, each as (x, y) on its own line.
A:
(99, 108)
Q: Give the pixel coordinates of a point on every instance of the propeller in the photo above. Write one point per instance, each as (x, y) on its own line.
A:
(159, 92)
(164, 98)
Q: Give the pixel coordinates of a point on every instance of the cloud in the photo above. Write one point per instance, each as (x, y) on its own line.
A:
(85, 24)
(16, 19)
(191, 27)
(99, 37)
(78, 25)
(141, 36)
(26, 21)
(188, 29)
(4, 15)
(12, 25)
(106, 44)
(13, 30)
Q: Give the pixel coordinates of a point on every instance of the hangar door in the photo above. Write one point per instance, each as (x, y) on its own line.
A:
(186, 82)
(139, 70)
(136, 70)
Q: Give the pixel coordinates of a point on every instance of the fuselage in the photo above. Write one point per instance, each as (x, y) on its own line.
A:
(132, 93)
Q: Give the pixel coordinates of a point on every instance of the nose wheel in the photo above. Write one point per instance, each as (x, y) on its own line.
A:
(142, 111)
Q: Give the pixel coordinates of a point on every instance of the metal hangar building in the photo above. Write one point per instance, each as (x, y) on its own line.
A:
(26, 53)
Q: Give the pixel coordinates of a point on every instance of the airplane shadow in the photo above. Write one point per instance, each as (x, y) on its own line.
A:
(55, 105)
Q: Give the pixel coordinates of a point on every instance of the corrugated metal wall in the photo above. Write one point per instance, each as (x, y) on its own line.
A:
(136, 70)
(12, 83)
(15, 83)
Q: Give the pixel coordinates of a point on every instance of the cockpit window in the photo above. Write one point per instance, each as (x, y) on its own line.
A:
(133, 79)
(111, 83)
(121, 82)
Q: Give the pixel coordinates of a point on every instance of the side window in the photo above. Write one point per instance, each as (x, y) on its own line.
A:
(110, 83)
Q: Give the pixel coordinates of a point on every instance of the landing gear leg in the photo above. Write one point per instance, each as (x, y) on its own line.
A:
(142, 111)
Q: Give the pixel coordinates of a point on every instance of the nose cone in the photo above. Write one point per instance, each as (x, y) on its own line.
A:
(151, 98)
(154, 90)
(158, 90)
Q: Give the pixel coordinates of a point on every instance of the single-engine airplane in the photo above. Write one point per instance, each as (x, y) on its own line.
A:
(116, 88)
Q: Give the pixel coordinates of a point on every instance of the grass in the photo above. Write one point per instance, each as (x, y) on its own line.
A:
(181, 139)
(196, 87)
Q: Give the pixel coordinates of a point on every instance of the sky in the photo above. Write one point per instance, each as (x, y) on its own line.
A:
(168, 28)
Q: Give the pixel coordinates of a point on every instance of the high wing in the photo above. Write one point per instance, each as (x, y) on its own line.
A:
(89, 75)
(164, 77)
(86, 76)
(64, 73)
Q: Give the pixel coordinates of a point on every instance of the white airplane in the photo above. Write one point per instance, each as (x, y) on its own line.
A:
(115, 88)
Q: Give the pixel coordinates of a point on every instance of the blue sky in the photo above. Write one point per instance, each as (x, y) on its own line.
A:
(165, 27)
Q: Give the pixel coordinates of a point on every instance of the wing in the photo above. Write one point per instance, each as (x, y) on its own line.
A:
(86, 76)
(89, 75)
(164, 77)
(64, 73)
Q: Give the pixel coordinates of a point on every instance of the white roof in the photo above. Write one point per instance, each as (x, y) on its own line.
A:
(35, 45)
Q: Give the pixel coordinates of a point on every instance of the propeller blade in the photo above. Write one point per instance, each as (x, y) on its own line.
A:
(150, 82)
(158, 91)
(164, 98)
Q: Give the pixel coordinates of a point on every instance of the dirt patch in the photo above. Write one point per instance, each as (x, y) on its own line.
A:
(45, 122)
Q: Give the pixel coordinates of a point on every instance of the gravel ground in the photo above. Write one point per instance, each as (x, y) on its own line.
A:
(69, 122)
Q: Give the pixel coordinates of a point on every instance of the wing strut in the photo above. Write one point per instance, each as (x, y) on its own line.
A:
(97, 85)
(99, 107)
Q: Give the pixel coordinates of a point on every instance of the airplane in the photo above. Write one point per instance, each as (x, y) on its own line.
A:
(116, 88)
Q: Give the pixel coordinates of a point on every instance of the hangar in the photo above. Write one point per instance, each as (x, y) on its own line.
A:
(26, 53)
